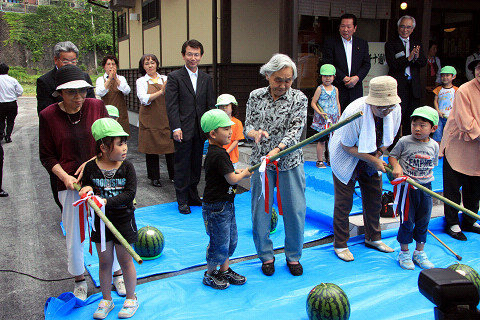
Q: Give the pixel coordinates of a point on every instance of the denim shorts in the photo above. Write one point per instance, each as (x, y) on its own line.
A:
(220, 224)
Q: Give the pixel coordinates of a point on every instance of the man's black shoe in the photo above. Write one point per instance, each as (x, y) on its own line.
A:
(156, 183)
(3, 193)
(456, 235)
(295, 269)
(184, 209)
(8, 139)
(268, 269)
(470, 228)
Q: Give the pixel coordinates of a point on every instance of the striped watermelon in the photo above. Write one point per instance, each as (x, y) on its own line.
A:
(274, 221)
(150, 242)
(327, 301)
(468, 272)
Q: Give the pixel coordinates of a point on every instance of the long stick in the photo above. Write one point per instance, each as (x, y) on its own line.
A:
(311, 139)
(456, 255)
(112, 228)
(439, 197)
(321, 110)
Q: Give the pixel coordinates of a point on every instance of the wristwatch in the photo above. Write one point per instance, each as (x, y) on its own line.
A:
(281, 149)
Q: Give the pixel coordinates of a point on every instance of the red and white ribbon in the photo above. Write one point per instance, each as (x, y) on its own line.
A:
(265, 187)
(401, 200)
(83, 210)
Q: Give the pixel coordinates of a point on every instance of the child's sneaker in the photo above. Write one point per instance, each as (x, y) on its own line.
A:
(104, 308)
(80, 290)
(215, 280)
(420, 258)
(119, 285)
(233, 278)
(129, 308)
(405, 260)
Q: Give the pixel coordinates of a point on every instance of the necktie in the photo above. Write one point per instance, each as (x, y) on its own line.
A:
(407, 53)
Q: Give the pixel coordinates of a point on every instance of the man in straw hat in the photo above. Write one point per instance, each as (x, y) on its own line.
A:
(355, 154)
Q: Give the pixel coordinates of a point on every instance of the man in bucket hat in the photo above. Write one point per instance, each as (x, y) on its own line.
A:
(355, 154)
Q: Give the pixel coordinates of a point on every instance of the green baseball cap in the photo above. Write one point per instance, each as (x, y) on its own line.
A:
(328, 70)
(448, 69)
(426, 112)
(107, 127)
(214, 119)
(225, 99)
(112, 111)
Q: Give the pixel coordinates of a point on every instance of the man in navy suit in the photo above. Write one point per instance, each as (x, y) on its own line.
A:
(189, 95)
(350, 57)
(405, 57)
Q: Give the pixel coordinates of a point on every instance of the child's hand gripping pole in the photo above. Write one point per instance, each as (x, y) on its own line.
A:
(321, 110)
(112, 228)
(311, 139)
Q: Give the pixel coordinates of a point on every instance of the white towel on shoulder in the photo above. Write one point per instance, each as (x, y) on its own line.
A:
(367, 138)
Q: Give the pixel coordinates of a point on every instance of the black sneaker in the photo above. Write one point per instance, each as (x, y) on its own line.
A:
(215, 280)
(233, 278)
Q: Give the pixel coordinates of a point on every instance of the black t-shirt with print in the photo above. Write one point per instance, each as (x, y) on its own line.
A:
(217, 165)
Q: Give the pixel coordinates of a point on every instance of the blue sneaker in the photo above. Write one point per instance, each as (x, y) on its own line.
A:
(405, 260)
(420, 258)
(130, 306)
(104, 308)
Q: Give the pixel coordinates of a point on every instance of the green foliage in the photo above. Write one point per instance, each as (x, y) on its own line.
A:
(40, 31)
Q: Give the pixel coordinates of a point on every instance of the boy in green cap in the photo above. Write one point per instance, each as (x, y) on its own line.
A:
(218, 208)
(111, 177)
(415, 156)
(112, 111)
(443, 100)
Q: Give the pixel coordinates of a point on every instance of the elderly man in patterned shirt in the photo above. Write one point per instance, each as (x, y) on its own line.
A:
(275, 119)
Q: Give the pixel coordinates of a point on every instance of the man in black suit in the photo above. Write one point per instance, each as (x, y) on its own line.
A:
(63, 53)
(189, 95)
(405, 57)
(350, 57)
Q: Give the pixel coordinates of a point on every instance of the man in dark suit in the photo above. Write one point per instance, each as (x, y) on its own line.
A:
(63, 53)
(189, 95)
(350, 57)
(405, 58)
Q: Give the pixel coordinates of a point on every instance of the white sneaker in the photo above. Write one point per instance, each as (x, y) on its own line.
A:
(405, 260)
(119, 284)
(104, 308)
(80, 290)
(420, 258)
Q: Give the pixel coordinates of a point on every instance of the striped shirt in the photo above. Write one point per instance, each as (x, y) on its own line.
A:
(343, 163)
(283, 119)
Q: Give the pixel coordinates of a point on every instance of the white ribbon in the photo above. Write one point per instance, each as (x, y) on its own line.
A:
(261, 170)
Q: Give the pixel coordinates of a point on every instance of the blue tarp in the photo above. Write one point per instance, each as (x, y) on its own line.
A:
(376, 286)
(186, 240)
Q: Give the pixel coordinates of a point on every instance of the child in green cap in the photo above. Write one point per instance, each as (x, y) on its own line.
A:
(111, 177)
(443, 100)
(327, 110)
(415, 156)
(112, 111)
(218, 208)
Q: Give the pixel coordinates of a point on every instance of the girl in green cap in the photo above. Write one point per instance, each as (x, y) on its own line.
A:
(327, 109)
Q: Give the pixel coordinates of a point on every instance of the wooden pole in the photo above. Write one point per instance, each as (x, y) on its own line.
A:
(311, 139)
(112, 228)
(456, 255)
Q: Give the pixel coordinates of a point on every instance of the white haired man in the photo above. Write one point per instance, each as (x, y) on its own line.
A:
(275, 118)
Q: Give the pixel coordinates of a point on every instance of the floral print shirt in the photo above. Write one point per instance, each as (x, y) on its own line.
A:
(283, 119)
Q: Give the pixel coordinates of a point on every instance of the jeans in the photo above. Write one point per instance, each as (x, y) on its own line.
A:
(420, 210)
(292, 192)
(220, 224)
(437, 135)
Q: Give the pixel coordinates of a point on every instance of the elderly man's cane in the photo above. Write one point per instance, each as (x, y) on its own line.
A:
(112, 228)
(311, 139)
(443, 199)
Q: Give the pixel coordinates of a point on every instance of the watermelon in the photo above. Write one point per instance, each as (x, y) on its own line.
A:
(327, 301)
(150, 242)
(468, 272)
(274, 221)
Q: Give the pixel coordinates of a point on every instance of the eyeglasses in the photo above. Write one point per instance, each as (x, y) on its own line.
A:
(191, 54)
(74, 92)
(66, 61)
(386, 108)
(402, 26)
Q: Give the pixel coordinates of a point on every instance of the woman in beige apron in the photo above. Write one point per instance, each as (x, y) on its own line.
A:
(113, 88)
(154, 135)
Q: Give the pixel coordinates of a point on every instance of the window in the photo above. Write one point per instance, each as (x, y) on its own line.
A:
(122, 25)
(150, 11)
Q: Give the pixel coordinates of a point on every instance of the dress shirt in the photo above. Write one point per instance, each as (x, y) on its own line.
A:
(10, 88)
(102, 91)
(142, 87)
(406, 43)
(347, 44)
(193, 77)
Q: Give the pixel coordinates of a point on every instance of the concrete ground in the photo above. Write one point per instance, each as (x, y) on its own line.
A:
(33, 255)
